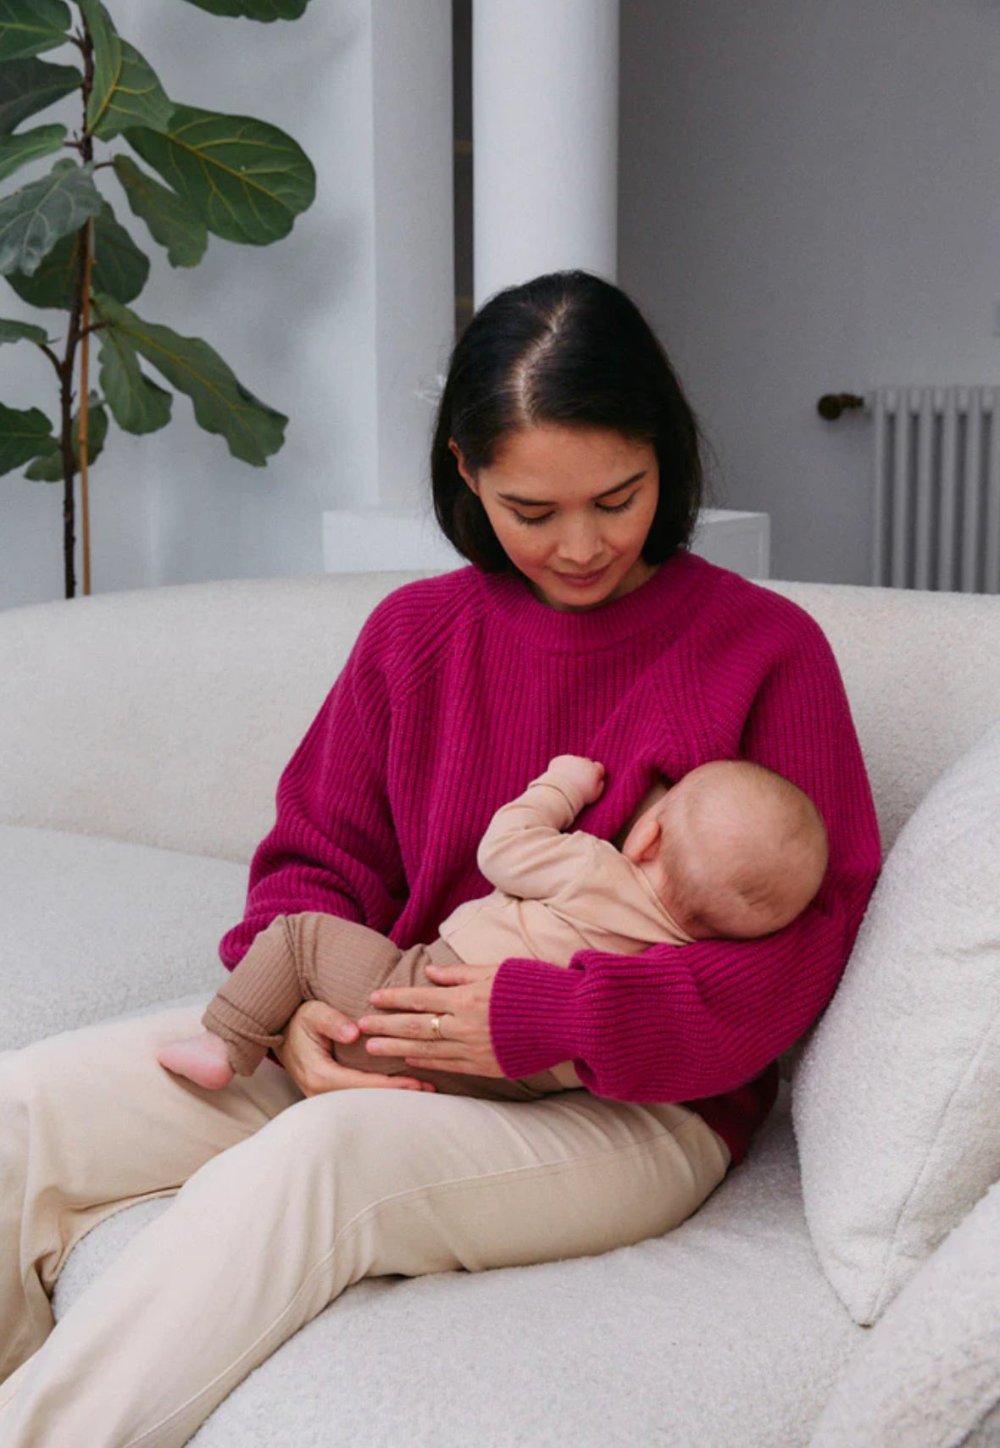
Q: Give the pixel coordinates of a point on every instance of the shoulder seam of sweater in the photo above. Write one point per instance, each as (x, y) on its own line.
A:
(425, 647)
(795, 632)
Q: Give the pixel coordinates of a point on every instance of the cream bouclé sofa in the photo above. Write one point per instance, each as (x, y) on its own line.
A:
(141, 737)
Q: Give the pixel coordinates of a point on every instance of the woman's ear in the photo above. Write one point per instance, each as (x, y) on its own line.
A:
(463, 469)
(643, 839)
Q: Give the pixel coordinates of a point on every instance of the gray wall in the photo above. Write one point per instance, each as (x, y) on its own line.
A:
(810, 202)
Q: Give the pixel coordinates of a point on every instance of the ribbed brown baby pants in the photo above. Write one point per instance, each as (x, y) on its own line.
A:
(319, 957)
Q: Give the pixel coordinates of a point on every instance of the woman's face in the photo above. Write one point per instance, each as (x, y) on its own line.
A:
(571, 507)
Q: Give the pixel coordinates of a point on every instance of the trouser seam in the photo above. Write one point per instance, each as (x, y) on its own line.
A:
(473, 1181)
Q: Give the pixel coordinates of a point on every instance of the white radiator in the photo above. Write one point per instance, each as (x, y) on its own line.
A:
(936, 518)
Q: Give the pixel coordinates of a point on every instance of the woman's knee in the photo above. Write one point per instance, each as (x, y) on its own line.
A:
(365, 1132)
(346, 1124)
(326, 1155)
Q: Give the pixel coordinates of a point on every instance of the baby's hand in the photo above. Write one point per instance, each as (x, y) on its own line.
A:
(586, 775)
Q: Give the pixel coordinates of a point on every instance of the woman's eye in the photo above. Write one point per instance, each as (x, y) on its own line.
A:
(617, 507)
(533, 522)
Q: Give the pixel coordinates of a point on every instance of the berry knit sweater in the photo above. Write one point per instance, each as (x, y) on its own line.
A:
(459, 690)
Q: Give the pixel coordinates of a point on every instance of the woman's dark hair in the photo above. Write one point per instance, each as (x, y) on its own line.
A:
(572, 349)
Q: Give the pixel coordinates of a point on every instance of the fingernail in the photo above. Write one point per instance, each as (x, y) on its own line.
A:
(345, 1033)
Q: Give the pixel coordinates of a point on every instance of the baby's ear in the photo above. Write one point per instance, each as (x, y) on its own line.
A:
(643, 839)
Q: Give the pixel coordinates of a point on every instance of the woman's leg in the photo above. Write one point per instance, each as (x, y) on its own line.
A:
(343, 1186)
(92, 1124)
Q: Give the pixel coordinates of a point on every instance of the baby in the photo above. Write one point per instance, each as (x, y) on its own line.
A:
(732, 849)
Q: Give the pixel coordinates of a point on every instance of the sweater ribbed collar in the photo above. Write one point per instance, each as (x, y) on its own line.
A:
(663, 602)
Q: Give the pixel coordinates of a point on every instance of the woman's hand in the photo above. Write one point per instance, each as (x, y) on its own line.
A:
(460, 1001)
(306, 1054)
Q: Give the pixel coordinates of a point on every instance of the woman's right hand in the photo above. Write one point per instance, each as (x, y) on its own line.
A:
(306, 1054)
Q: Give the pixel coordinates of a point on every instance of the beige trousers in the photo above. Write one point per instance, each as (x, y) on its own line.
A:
(282, 1202)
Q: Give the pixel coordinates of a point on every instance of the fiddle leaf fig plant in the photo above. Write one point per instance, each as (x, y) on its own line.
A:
(187, 174)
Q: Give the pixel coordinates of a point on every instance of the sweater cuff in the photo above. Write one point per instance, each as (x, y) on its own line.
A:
(533, 1016)
(553, 779)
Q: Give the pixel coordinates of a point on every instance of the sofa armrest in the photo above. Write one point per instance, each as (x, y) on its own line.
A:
(94, 928)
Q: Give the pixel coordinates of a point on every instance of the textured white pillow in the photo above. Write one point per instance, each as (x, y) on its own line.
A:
(896, 1097)
(929, 1374)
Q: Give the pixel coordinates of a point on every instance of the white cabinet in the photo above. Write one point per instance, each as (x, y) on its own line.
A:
(740, 541)
(377, 541)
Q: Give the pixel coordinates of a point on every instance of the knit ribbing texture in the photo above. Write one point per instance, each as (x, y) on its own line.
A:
(457, 693)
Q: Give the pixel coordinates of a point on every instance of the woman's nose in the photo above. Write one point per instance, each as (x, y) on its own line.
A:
(580, 545)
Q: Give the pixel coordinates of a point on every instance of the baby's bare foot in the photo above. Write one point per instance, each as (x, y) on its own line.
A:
(202, 1059)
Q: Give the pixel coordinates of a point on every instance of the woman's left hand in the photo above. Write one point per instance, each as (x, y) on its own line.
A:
(461, 1004)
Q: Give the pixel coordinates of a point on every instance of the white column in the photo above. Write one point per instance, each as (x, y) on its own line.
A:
(398, 241)
(545, 139)
(414, 273)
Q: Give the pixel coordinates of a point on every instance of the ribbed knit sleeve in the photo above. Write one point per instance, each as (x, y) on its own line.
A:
(333, 847)
(675, 1024)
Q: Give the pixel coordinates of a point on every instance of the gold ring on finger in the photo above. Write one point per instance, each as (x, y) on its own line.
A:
(436, 1028)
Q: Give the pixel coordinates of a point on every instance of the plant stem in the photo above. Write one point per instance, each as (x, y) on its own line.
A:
(66, 447)
(85, 403)
(44, 347)
(81, 302)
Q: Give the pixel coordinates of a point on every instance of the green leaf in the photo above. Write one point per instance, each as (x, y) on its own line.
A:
(11, 331)
(30, 86)
(107, 55)
(27, 27)
(126, 91)
(246, 180)
(170, 221)
(254, 9)
(23, 435)
(222, 404)
(17, 151)
(138, 99)
(33, 219)
(49, 469)
(137, 405)
(120, 268)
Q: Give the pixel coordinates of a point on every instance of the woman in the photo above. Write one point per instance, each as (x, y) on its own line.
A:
(565, 467)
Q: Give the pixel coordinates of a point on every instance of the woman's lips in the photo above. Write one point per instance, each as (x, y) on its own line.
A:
(583, 580)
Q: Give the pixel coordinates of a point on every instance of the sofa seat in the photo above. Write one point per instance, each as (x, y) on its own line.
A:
(95, 928)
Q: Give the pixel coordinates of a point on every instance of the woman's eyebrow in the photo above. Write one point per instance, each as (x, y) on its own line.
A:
(549, 503)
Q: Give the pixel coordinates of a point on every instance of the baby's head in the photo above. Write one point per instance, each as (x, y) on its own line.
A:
(732, 849)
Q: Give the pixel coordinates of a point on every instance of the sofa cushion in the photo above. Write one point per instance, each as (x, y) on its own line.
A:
(94, 928)
(930, 1372)
(895, 1095)
(723, 1332)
